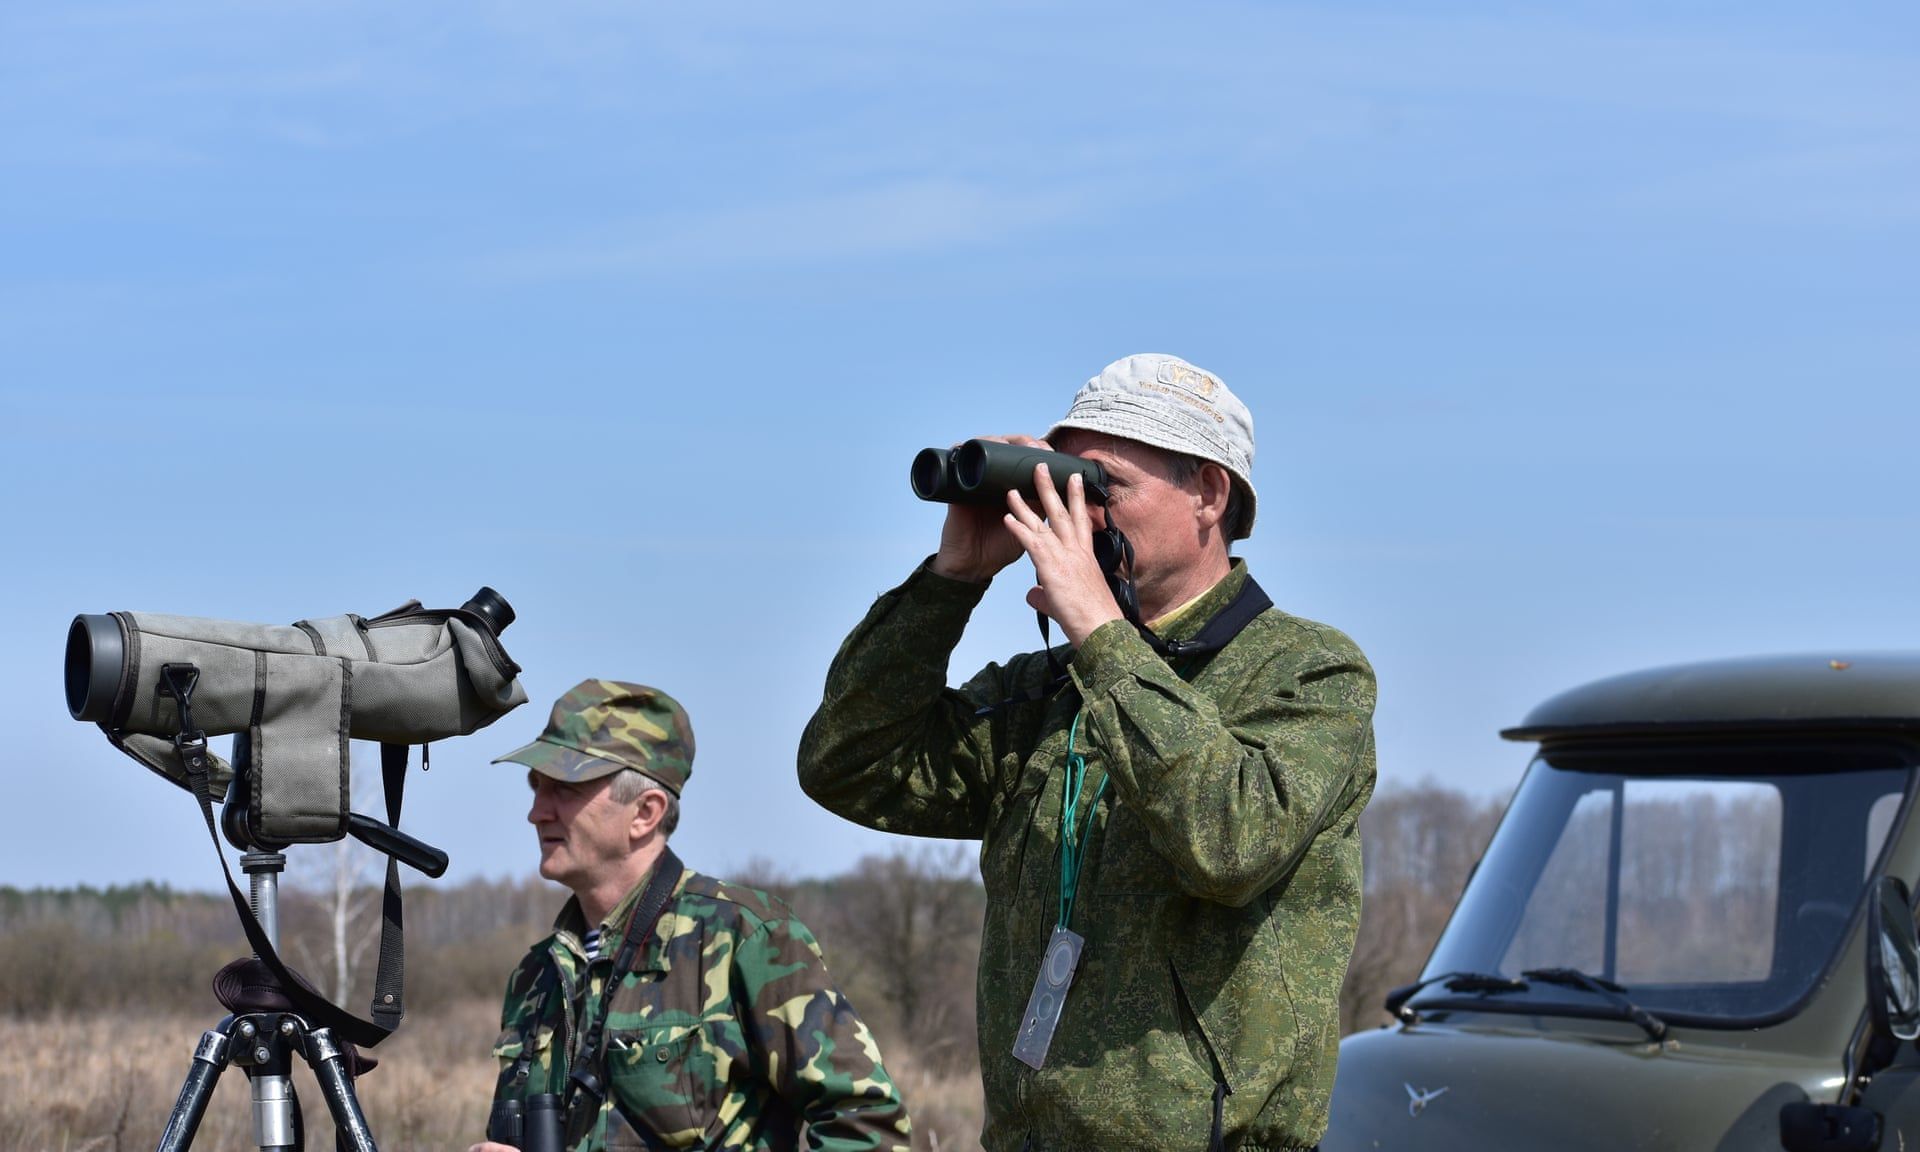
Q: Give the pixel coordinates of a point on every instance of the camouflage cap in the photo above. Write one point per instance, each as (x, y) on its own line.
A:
(602, 726)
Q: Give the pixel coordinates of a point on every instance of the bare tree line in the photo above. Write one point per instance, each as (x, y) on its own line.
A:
(1419, 845)
(901, 931)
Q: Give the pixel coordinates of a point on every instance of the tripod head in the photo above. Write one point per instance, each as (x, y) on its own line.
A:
(238, 829)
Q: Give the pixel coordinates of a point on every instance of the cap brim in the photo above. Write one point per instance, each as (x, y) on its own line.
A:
(561, 762)
(1156, 437)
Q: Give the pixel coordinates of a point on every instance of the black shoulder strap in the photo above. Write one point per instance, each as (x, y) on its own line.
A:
(587, 1072)
(1214, 635)
(390, 977)
(1219, 631)
(196, 762)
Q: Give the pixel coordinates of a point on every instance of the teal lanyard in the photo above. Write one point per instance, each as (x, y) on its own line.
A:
(1073, 837)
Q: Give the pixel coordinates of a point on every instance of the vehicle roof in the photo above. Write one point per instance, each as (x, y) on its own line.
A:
(1866, 690)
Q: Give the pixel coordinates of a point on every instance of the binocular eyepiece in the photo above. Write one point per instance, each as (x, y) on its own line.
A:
(491, 607)
(984, 471)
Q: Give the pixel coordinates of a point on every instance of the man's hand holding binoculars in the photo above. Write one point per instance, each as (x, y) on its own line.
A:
(978, 540)
(1069, 585)
(974, 542)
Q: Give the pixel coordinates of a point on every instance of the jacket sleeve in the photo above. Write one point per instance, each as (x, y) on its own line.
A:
(816, 1053)
(891, 747)
(1232, 787)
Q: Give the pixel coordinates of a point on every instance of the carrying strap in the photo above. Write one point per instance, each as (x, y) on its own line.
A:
(388, 998)
(1215, 634)
(196, 762)
(587, 1072)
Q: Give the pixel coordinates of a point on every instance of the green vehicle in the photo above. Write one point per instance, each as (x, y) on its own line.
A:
(1691, 931)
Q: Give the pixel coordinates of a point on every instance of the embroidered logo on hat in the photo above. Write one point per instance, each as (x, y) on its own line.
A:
(1186, 376)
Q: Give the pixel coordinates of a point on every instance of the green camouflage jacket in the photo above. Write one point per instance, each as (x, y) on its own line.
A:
(728, 1034)
(1220, 890)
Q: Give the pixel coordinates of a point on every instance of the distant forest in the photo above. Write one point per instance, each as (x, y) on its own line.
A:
(901, 931)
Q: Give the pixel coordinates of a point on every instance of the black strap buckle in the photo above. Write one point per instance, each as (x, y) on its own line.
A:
(192, 748)
(178, 681)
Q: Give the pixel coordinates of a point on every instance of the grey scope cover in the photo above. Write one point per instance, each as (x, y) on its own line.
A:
(301, 691)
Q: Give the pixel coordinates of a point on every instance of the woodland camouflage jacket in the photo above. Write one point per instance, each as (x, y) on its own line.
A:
(1221, 887)
(728, 1034)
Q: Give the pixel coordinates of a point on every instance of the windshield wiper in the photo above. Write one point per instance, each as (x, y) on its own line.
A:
(1652, 1025)
(1396, 1002)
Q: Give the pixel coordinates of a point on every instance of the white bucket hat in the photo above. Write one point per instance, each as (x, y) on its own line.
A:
(1170, 404)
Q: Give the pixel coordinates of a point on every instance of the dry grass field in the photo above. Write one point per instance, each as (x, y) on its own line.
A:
(107, 1083)
(901, 932)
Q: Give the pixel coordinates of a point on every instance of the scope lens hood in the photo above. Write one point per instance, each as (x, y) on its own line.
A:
(96, 660)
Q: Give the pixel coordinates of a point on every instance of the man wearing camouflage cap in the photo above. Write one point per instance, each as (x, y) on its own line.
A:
(722, 1029)
(1167, 805)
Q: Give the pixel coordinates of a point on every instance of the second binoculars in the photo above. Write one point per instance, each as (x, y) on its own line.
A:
(984, 471)
(533, 1126)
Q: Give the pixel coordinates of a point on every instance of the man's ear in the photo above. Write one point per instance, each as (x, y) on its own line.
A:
(650, 809)
(1215, 489)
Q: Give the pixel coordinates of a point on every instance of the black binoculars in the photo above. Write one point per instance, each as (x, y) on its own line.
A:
(532, 1127)
(984, 471)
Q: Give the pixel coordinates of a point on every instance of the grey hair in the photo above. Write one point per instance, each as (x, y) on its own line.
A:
(629, 785)
(1182, 468)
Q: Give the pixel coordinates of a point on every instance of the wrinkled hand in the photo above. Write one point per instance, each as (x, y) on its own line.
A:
(974, 543)
(1070, 587)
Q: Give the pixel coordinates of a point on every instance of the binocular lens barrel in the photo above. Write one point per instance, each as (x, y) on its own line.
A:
(96, 659)
(984, 471)
(932, 475)
(532, 1126)
(544, 1124)
(505, 1123)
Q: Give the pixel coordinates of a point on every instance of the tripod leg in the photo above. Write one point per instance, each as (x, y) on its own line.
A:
(276, 1111)
(209, 1060)
(330, 1069)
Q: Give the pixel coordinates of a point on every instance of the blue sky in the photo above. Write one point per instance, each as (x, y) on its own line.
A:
(1577, 340)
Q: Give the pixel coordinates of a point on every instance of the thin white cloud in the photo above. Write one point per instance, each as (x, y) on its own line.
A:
(909, 217)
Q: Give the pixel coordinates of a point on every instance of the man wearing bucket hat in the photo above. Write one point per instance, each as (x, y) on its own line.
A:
(1167, 806)
(668, 1008)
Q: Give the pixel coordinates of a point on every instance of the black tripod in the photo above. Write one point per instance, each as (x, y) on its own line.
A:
(264, 1032)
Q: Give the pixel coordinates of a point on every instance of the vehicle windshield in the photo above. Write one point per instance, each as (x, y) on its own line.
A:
(1711, 884)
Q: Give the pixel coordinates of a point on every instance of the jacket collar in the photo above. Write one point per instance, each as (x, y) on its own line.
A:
(1186, 621)
(570, 926)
